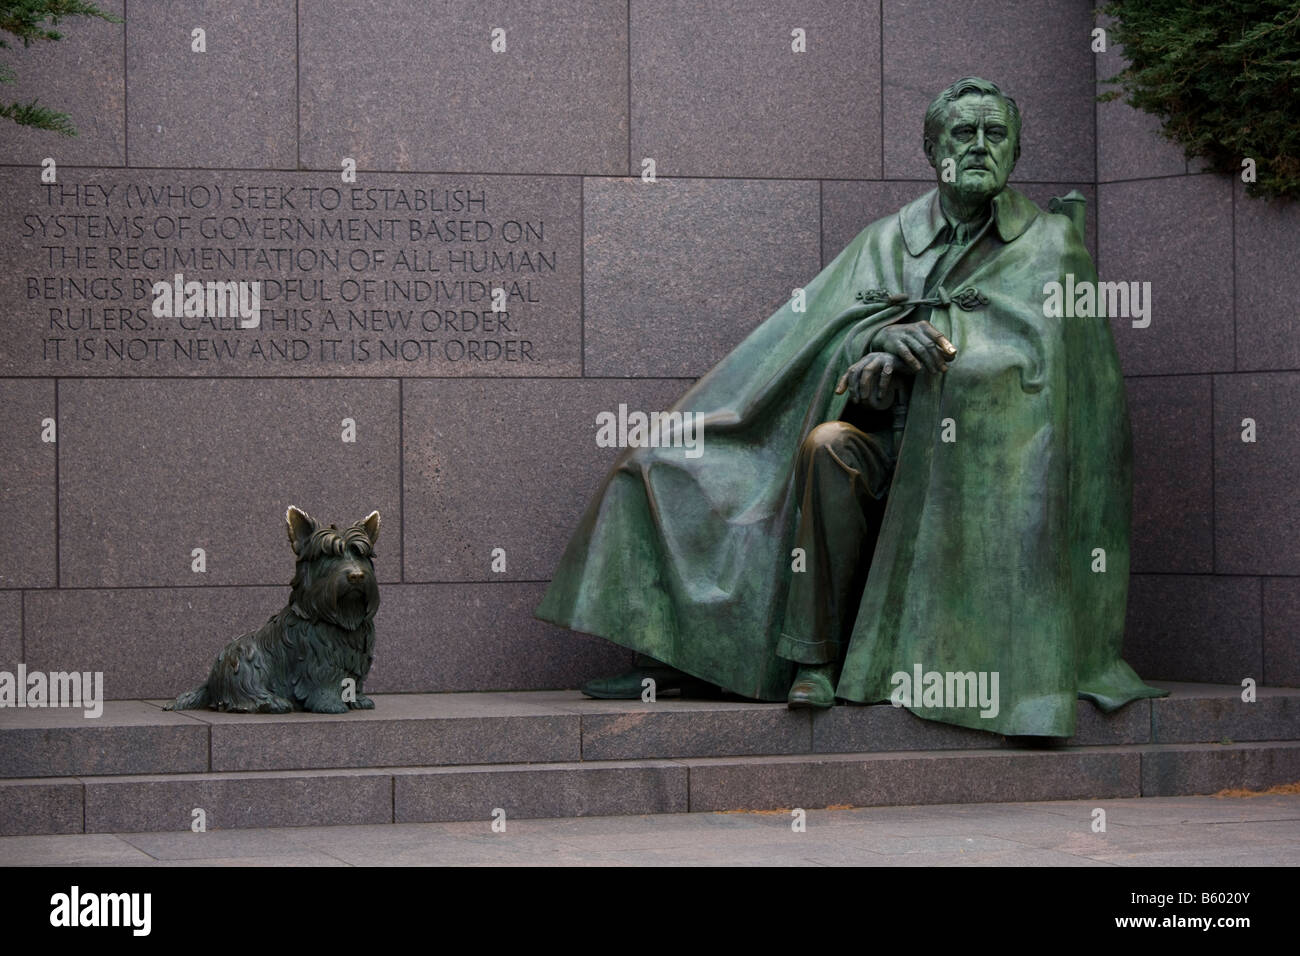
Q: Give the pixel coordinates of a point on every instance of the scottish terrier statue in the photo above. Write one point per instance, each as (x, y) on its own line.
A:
(315, 654)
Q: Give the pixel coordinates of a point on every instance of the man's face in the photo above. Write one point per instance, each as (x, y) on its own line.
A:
(977, 136)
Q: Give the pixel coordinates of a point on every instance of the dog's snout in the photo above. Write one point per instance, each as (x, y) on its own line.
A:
(356, 576)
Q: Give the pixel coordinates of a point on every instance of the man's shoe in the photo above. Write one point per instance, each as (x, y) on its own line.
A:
(812, 687)
(629, 686)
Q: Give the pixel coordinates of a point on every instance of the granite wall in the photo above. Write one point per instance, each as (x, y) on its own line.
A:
(129, 440)
(1214, 395)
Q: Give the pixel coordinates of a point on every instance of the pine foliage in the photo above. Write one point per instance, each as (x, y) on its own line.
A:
(34, 21)
(1223, 77)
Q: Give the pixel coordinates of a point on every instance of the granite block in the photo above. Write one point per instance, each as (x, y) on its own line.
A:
(1212, 715)
(717, 89)
(396, 85)
(1282, 631)
(427, 730)
(1209, 768)
(534, 467)
(1187, 627)
(231, 107)
(149, 642)
(130, 737)
(880, 728)
(1267, 250)
(849, 207)
(1173, 474)
(1177, 235)
(28, 492)
(633, 730)
(11, 629)
(1039, 55)
(1254, 531)
(1131, 724)
(40, 806)
(910, 778)
(392, 276)
(678, 272)
(156, 643)
(543, 790)
(1129, 143)
(219, 461)
(81, 75)
(238, 800)
(480, 637)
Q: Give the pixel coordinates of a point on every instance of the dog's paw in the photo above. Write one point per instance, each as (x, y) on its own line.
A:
(274, 705)
(326, 705)
(362, 703)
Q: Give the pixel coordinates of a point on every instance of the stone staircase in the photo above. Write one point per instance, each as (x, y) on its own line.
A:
(437, 757)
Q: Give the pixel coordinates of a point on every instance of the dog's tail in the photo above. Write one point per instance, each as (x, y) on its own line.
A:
(191, 700)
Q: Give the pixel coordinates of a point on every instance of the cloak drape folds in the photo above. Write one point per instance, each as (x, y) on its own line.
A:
(990, 545)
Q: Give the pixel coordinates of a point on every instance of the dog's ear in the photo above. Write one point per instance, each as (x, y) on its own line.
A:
(301, 527)
(370, 525)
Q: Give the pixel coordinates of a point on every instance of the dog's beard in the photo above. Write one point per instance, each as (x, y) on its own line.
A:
(346, 606)
(352, 609)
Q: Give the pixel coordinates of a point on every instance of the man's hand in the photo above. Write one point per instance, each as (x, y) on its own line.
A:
(871, 380)
(919, 344)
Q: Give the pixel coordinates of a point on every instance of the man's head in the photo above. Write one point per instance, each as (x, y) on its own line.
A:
(976, 126)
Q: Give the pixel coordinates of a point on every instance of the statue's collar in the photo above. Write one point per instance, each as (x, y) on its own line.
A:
(923, 220)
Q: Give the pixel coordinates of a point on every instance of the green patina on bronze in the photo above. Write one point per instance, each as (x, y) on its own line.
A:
(986, 550)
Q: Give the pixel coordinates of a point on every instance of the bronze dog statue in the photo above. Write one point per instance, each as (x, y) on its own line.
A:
(314, 654)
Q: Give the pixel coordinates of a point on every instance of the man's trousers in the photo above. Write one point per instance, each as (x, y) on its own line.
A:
(841, 478)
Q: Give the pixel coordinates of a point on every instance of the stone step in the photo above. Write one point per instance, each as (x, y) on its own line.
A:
(429, 730)
(241, 799)
(421, 757)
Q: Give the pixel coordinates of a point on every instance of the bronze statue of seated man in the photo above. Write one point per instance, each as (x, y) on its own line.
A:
(916, 488)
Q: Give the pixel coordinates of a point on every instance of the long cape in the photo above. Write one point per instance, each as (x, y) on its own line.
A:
(1004, 544)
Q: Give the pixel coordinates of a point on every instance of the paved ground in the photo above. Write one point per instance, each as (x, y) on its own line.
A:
(1180, 831)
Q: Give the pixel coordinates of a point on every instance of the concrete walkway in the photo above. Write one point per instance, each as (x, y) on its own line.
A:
(1261, 830)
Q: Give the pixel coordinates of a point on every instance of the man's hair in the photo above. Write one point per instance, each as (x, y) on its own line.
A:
(967, 85)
